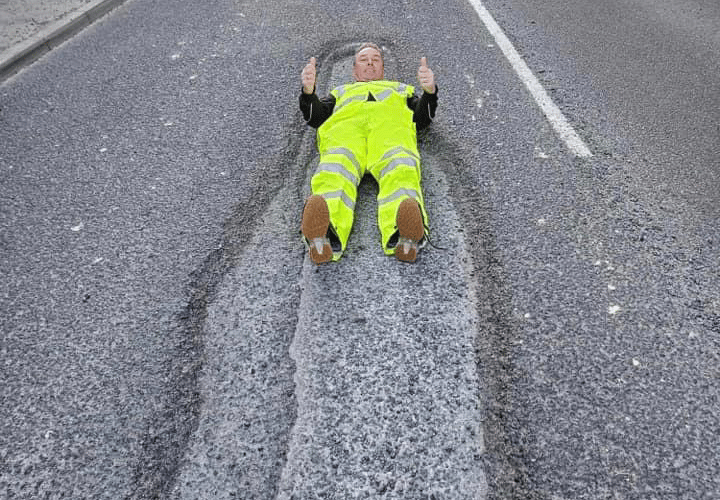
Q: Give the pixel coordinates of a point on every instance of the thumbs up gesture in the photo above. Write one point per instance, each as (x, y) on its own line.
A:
(426, 77)
(308, 76)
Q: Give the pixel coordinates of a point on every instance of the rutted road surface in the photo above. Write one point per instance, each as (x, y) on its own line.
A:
(385, 387)
(164, 335)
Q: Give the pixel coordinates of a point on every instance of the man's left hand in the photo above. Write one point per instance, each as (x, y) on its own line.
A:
(426, 77)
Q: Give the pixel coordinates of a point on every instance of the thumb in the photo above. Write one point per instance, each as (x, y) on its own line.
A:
(312, 61)
(423, 62)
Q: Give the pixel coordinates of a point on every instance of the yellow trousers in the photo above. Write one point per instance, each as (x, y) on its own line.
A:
(375, 137)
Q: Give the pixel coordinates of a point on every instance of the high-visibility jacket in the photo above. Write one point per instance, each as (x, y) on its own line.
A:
(370, 130)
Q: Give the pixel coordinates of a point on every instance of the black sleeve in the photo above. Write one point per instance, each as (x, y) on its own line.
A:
(423, 108)
(316, 110)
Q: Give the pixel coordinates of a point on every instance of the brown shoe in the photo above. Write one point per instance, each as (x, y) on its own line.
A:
(410, 228)
(315, 224)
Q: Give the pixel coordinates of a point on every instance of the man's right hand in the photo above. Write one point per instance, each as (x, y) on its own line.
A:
(308, 77)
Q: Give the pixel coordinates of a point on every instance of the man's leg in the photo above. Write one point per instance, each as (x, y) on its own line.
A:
(399, 179)
(335, 183)
(410, 228)
(315, 226)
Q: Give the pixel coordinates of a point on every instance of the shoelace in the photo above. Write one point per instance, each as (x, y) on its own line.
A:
(436, 247)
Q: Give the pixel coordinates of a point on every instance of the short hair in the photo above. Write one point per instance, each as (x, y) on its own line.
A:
(372, 46)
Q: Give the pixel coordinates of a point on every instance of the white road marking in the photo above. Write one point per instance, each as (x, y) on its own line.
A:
(552, 112)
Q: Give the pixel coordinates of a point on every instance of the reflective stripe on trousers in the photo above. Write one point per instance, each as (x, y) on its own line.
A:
(343, 197)
(390, 88)
(338, 168)
(400, 194)
(393, 164)
(347, 154)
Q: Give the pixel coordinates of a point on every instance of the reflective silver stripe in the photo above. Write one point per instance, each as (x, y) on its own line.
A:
(399, 194)
(384, 95)
(401, 89)
(347, 154)
(349, 100)
(338, 168)
(397, 150)
(340, 91)
(410, 162)
(390, 88)
(342, 195)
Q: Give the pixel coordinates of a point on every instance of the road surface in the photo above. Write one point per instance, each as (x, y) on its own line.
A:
(165, 336)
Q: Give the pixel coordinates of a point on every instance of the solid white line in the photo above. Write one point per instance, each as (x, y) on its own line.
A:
(552, 112)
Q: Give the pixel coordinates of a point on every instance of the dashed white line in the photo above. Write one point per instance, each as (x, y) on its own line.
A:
(552, 112)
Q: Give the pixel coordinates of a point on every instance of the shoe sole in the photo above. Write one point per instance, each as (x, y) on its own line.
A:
(410, 228)
(315, 225)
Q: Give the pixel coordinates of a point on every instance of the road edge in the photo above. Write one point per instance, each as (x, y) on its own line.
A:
(28, 51)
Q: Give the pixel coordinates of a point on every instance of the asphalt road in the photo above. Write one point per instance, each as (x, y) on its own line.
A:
(164, 336)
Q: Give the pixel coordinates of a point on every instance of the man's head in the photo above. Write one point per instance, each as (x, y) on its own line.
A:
(369, 64)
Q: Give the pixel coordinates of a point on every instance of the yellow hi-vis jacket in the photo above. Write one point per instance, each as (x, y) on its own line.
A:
(370, 130)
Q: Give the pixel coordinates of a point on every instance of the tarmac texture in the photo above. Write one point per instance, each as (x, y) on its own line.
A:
(164, 335)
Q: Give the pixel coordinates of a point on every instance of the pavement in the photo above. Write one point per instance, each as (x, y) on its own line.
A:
(31, 28)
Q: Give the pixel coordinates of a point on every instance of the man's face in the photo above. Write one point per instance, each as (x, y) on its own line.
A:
(368, 65)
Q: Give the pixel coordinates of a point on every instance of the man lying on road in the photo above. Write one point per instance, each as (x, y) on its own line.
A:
(367, 127)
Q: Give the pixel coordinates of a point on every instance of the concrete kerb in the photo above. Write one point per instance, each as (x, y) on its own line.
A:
(25, 53)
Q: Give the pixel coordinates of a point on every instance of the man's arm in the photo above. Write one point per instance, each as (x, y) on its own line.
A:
(316, 110)
(423, 108)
